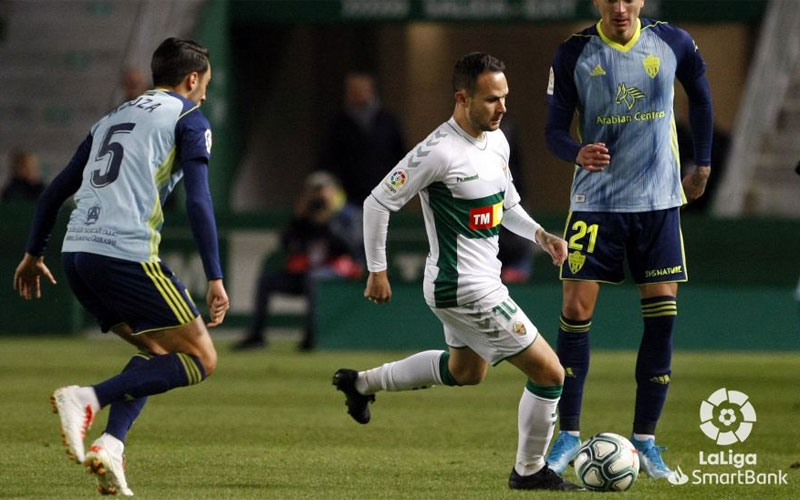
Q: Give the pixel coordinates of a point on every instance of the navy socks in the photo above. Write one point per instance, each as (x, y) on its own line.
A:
(572, 348)
(154, 376)
(653, 364)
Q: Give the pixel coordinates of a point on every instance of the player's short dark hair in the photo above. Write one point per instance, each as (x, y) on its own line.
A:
(175, 58)
(467, 69)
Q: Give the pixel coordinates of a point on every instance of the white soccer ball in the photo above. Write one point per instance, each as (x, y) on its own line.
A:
(607, 462)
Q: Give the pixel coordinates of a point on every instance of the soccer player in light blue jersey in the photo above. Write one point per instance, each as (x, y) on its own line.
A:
(618, 75)
(119, 176)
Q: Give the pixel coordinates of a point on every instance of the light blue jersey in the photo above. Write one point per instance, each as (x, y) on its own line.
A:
(623, 95)
(131, 168)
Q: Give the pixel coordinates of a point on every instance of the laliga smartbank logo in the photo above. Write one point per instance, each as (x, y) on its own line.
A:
(727, 418)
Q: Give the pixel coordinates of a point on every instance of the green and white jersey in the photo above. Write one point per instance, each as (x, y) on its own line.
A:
(464, 185)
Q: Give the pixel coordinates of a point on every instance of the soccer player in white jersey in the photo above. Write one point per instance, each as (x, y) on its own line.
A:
(120, 176)
(460, 172)
(626, 195)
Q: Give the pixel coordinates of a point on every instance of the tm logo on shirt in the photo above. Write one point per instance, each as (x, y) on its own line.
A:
(486, 217)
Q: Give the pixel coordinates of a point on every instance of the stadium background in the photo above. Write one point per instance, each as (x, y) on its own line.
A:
(278, 68)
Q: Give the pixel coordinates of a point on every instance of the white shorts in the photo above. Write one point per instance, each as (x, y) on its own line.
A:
(495, 327)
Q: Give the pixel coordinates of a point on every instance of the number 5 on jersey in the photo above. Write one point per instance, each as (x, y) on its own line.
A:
(116, 151)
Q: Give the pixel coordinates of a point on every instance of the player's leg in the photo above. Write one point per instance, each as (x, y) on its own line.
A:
(596, 246)
(418, 371)
(148, 297)
(462, 365)
(579, 300)
(657, 264)
(187, 356)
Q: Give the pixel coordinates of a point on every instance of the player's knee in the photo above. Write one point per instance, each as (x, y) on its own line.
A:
(472, 375)
(550, 373)
(576, 311)
(209, 361)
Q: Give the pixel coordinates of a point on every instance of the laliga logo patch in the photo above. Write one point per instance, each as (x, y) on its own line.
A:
(398, 179)
(519, 328)
(727, 417)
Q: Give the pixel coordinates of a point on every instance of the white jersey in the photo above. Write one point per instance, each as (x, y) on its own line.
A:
(464, 185)
(132, 167)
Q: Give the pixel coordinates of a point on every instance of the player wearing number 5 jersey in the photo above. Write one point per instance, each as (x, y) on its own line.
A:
(460, 172)
(619, 76)
(120, 176)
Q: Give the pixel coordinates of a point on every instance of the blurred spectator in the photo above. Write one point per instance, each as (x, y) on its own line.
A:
(316, 247)
(720, 146)
(516, 252)
(134, 82)
(365, 140)
(26, 181)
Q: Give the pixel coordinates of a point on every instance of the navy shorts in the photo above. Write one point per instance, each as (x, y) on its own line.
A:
(145, 295)
(599, 243)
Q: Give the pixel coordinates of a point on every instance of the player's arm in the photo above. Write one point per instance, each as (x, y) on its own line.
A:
(517, 220)
(415, 172)
(200, 210)
(701, 121)
(32, 267)
(562, 100)
(376, 228)
(691, 72)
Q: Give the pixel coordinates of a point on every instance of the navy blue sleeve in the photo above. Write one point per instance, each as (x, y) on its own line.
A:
(200, 210)
(63, 186)
(701, 118)
(562, 100)
(193, 136)
(691, 72)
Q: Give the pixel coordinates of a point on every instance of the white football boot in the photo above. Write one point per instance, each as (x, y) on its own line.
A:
(76, 414)
(106, 463)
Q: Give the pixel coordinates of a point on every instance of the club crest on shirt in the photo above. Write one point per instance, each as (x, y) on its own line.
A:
(651, 65)
(519, 328)
(576, 261)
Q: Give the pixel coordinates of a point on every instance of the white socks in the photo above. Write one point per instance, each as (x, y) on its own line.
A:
(87, 396)
(536, 421)
(111, 443)
(418, 371)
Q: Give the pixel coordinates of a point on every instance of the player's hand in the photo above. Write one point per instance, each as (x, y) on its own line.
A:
(593, 157)
(217, 301)
(378, 289)
(556, 247)
(26, 277)
(694, 183)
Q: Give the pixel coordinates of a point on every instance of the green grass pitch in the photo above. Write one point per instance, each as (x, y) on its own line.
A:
(269, 425)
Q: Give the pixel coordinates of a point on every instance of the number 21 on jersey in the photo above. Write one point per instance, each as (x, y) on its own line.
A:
(581, 231)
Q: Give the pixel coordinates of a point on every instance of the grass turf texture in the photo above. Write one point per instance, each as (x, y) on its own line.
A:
(269, 424)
